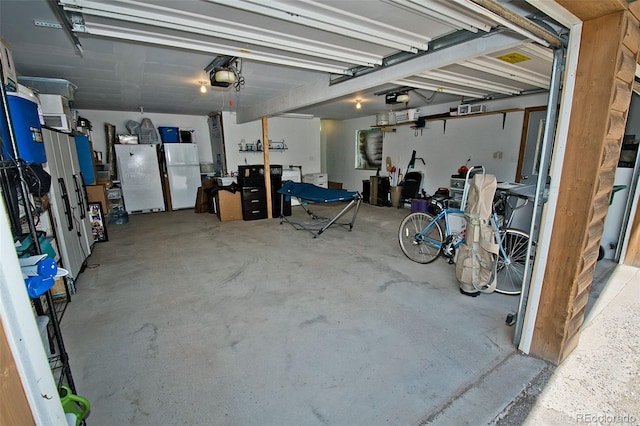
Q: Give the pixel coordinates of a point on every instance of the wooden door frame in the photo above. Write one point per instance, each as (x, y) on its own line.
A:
(594, 137)
(523, 138)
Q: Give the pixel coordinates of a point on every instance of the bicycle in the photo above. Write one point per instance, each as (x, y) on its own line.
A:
(422, 239)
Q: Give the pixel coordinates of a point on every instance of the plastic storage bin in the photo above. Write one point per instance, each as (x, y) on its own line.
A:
(27, 130)
(169, 134)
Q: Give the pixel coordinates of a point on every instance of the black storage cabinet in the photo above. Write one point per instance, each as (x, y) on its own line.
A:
(252, 176)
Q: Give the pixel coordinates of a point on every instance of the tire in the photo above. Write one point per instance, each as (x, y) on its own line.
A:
(418, 249)
(511, 273)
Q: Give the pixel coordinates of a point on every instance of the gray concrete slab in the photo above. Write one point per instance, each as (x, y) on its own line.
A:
(599, 382)
(491, 393)
(182, 319)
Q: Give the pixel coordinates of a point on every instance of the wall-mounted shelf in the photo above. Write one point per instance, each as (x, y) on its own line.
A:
(261, 150)
(504, 112)
(273, 146)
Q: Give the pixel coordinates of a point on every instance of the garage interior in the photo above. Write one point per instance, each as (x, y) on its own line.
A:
(268, 323)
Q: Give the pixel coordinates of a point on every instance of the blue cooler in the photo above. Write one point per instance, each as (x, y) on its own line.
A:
(27, 130)
(169, 134)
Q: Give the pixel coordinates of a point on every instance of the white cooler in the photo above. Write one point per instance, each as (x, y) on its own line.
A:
(318, 179)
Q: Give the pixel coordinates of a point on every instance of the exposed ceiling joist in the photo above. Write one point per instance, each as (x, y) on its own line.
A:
(474, 82)
(334, 20)
(165, 18)
(508, 71)
(321, 91)
(447, 14)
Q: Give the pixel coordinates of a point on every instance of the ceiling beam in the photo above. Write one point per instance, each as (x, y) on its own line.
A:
(322, 91)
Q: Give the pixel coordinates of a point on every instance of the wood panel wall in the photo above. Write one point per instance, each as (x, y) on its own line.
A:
(632, 255)
(14, 407)
(604, 81)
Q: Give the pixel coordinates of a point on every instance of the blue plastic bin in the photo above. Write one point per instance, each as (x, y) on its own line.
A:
(169, 134)
(27, 130)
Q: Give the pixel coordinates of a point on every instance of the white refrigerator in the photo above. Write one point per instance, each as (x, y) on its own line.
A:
(183, 170)
(139, 173)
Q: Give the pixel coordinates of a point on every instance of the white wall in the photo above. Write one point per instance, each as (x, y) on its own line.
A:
(475, 137)
(99, 118)
(302, 137)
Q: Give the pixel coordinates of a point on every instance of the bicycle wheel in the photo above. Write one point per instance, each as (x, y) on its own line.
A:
(511, 270)
(416, 245)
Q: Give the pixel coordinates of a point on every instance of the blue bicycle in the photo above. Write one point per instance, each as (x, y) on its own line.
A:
(423, 237)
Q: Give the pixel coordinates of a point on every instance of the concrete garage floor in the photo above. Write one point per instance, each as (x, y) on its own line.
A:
(182, 319)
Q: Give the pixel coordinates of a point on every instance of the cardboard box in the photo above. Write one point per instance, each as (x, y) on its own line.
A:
(202, 197)
(59, 289)
(228, 206)
(8, 67)
(98, 194)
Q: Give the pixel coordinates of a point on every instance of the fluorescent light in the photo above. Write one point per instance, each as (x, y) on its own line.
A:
(295, 115)
(403, 98)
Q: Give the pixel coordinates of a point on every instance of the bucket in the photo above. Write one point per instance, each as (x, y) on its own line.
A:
(396, 191)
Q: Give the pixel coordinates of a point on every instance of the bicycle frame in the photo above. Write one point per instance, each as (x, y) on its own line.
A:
(444, 214)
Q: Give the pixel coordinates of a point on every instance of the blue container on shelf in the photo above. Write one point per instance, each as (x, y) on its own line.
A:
(26, 128)
(85, 158)
(169, 134)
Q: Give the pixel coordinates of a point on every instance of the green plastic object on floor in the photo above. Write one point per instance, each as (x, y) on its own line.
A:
(74, 404)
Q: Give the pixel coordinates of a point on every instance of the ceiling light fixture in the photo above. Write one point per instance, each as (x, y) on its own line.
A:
(203, 87)
(358, 104)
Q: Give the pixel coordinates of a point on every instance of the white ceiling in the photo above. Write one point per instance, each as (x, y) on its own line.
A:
(153, 54)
